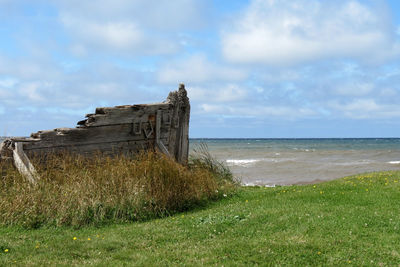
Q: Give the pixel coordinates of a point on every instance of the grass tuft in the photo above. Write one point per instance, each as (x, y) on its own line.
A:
(77, 191)
(202, 159)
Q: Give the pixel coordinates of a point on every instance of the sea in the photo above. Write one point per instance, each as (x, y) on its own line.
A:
(271, 162)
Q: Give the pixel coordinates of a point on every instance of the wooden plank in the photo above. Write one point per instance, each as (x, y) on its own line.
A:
(112, 116)
(184, 137)
(93, 135)
(158, 124)
(159, 142)
(2, 149)
(5, 151)
(146, 107)
(23, 164)
(178, 139)
(110, 148)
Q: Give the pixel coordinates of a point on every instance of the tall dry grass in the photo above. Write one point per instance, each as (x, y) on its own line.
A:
(77, 191)
(202, 159)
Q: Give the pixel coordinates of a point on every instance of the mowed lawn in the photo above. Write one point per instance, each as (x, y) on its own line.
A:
(350, 221)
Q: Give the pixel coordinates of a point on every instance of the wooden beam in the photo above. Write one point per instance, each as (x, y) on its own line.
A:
(124, 114)
(159, 143)
(23, 165)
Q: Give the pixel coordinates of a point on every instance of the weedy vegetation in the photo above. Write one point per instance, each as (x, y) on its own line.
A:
(202, 159)
(78, 191)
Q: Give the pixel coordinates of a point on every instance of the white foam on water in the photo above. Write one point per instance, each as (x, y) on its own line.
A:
(258, 183)
(304, 149)
(394, 162)
(241, 162)
(354, 163)
(251, 162)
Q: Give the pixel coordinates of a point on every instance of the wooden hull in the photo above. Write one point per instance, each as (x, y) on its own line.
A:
(115, 130)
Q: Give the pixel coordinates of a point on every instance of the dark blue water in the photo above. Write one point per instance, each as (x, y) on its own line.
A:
(294, 161)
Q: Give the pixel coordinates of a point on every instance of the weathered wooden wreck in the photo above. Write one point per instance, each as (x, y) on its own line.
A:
(109, 131)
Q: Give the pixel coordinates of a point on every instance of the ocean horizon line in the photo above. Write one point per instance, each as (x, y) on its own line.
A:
(269, 138)
(287, 138)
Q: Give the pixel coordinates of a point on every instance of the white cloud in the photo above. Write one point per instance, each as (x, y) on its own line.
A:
(27, 68)
(161, 15)
(367, 109)
(388, 92)
(8, 82)
(140, 27)
(117, 36)
(208, 108)
(34, 91)
(222, 94)
(197, 69)
(261, 112)
(354, 89)
(277, 75)
(78, 50)
(4, 93)
(120, 35)
(297, 31)
(366, 105)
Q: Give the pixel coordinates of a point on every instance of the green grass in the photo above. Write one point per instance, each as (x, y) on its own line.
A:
(350, 221)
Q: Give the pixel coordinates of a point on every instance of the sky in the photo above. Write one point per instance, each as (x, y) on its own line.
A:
(252, 68)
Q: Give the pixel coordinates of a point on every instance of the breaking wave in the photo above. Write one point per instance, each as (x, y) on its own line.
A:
(241, 162)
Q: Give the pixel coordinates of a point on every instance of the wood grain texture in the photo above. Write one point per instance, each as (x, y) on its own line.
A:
(95, 135)
(179, 131)
(123, 114)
